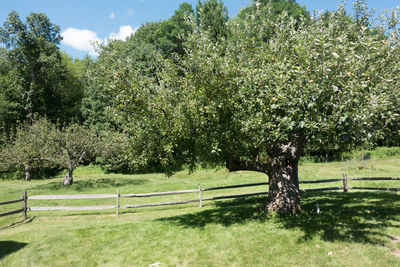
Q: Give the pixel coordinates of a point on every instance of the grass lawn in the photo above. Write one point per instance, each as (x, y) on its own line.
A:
(359, 228)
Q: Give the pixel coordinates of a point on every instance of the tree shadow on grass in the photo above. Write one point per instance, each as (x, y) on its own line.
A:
(18, 223)
(226, 213)
(8, 247)
(363, 217)
(84, 185)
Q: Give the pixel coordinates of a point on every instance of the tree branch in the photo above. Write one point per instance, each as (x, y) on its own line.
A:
(235, 165)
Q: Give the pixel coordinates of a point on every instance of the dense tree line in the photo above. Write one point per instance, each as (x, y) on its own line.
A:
(253, 92)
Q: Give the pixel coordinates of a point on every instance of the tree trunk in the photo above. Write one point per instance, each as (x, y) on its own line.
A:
(68, 179)
(282, 170)
(31, 97)
(284, 192)
(27, 173)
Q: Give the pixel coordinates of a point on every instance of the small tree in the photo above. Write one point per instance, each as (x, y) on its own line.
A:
(26, 149)
(43, 144)
(71, 146)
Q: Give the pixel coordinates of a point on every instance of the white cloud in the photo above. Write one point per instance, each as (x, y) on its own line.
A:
(83, 40)
(124, 32)
(112, 15)
(131, 12)
(87, 40)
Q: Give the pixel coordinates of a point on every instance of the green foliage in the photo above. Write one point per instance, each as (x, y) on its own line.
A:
(44, 148)
(26, 151)
(121, 65)
(333, 84)
(70, 91)
(36, 61)
(114, 147)
(378, 153)
(168, 37)
(274, 8)
(212, 16)
(72, 145)
(35, 78)
(117, 59)
(11, 108)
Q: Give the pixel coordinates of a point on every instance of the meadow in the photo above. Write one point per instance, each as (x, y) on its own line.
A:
(358, 228)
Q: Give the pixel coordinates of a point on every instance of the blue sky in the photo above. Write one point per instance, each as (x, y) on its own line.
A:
(83, 21)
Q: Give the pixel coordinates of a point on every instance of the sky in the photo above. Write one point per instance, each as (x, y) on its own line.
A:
(83, 22)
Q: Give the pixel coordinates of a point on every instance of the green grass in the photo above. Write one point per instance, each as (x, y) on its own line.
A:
(353, 229)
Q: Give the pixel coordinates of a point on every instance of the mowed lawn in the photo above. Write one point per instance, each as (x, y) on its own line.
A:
(359, 228)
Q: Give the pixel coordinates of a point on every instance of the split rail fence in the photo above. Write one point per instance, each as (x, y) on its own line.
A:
(23, 210)
(198, 191)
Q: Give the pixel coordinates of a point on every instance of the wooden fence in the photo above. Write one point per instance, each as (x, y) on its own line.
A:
(24, 206)
(198, 191)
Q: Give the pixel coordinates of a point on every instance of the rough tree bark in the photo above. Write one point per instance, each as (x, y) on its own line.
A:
(68, 179)
(282, 170)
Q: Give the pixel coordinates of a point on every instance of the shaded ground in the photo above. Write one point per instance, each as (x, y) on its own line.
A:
(354, 217)
(8, 247)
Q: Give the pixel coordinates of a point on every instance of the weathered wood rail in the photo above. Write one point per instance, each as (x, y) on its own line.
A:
(23, 210)
(198, 191)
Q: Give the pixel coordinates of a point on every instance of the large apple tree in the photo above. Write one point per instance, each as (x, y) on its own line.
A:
(257, 99)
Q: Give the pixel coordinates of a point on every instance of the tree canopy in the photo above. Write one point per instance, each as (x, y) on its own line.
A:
(276, 7)
(256, 103)
(212, 17)
(34, 54)
(37, 80)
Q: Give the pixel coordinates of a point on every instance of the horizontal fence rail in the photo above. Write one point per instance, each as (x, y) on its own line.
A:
(232, 186)
(86, 196)
(160, 193)
(11, 201)
(321, 181)
(235, 196)
(374, 179)
(72, 208)
(160, 204)
(321, 189)
(11, 212)
(22, 210)
(375, 188)
(199, 191)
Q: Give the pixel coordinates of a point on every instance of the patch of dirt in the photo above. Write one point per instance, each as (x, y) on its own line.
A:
(395, 239)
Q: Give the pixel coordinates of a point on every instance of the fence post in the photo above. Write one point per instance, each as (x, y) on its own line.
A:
(117, 204)
(24, 204)
(345, 188)
(200, 202)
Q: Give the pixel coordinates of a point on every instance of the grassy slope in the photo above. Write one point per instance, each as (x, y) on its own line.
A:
(354, 229)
